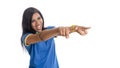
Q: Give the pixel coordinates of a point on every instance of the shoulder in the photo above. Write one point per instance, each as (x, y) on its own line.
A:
(50, 27)
(25, 35)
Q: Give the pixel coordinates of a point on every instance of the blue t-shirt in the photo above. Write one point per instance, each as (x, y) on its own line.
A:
(42, 54)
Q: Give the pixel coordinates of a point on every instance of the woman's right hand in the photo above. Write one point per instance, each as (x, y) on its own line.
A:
(64, 31)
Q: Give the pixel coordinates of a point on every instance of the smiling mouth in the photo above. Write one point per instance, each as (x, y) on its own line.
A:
(39, 28)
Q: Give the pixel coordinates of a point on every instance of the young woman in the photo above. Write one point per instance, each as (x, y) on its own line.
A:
(39, 41)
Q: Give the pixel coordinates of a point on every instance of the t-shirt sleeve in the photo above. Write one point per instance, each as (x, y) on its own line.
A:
(50, 27)
(24, 38)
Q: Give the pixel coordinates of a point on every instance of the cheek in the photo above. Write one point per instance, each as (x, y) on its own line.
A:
(33, 25)
(41, 20)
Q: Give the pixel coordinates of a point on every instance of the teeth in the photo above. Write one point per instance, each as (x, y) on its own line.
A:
(38, 27)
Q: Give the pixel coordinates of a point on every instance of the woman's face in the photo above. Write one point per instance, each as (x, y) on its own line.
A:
(37, 22)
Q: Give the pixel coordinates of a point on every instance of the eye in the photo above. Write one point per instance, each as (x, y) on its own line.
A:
(39, 18)
(33, 21)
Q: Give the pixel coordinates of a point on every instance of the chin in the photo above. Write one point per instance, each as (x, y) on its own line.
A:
(39, 30)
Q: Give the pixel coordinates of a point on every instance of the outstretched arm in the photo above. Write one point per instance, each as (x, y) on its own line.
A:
(49, 33)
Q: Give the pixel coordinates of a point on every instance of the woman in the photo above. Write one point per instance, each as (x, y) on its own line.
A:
(39, 41)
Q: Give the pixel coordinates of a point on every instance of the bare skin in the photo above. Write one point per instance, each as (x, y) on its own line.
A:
(49, 33)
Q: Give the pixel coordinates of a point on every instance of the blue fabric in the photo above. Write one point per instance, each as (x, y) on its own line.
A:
(42, 54)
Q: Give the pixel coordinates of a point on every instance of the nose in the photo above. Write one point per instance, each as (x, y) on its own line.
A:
(37, 22)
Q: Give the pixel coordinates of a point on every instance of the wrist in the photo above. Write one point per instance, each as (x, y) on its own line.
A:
(73, 28)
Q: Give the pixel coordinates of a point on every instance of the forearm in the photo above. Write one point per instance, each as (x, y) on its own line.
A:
(41, 36)
(46, 34)
(49, 33)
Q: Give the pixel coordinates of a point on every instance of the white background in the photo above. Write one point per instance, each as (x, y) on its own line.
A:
(99, 49)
